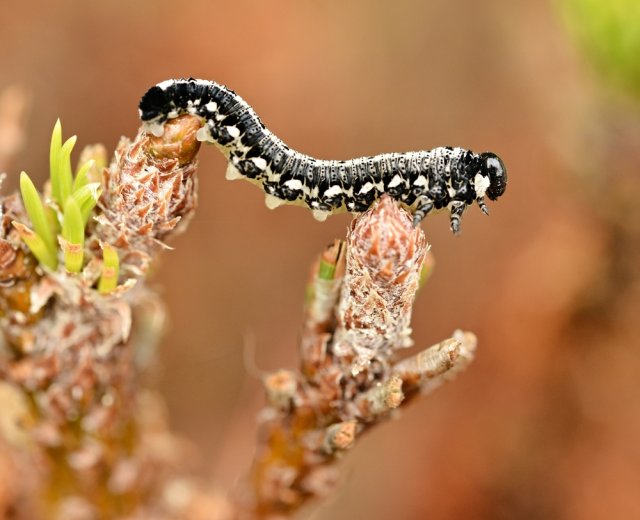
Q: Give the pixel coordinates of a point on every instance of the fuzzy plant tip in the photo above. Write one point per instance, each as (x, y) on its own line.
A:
(387, 243)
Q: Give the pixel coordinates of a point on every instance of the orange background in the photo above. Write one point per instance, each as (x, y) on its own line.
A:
(545, 422)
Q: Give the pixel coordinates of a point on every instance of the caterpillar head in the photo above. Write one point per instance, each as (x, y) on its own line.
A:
(492, 167)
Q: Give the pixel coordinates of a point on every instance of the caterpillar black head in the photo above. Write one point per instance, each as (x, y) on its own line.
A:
(493, 168)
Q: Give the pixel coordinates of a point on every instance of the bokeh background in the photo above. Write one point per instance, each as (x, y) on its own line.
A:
(545, 423)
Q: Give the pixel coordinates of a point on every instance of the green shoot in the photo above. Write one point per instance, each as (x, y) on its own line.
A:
(82, 175)
(54, 151)
(37, 215)
(330, 259)
(64, 170)
(37, 246)
(73, 202)
(110, 269)
(73, 236)
(87, 197)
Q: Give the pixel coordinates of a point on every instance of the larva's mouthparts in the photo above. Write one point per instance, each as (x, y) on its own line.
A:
(440, 178)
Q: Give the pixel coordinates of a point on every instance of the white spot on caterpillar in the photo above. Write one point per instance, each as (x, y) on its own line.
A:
(481, 183)
(452, 192)
(164, 85)
(366, 188)
(294, 184)
(333, 191)
(203, 134)
(395, 181)
(233, 132)
(273, 202)
(420, 181)
(233, 173)
(320, 215)
(259, 162)
(211, 106)
(155, 128)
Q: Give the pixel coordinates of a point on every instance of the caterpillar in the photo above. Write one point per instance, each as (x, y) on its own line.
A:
(423, 181)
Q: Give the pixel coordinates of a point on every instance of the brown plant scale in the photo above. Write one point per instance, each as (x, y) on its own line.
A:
(84, 439)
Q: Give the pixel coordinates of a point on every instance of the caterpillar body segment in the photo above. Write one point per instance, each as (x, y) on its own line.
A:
(424, 181)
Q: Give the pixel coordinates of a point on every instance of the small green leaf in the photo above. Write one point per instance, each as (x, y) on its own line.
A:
(82, 176)
(54, 152)
(52, 218)
(326, 270)
(35, 210)
(110, 269)
(64, 169)
(329, 260)
(73, 236)
(37, 246)
(87, 197)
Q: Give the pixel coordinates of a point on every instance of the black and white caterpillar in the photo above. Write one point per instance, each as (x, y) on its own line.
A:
(444, 177)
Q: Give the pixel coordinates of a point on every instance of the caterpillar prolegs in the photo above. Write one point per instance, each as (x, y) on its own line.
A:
(444, 177)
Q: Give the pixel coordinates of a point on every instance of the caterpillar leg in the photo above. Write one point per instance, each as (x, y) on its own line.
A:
(483, 207)
(423, 206)
(456, 208)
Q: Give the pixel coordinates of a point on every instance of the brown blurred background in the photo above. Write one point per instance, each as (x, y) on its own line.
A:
(545, 424)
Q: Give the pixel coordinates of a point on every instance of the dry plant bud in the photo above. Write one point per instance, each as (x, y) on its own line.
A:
(385, 253)
(340, 436)
(281, 388)
(178, 142)
(433, 366)
(381, 398)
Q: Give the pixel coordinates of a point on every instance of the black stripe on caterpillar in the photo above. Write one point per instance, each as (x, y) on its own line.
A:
(444, 177)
